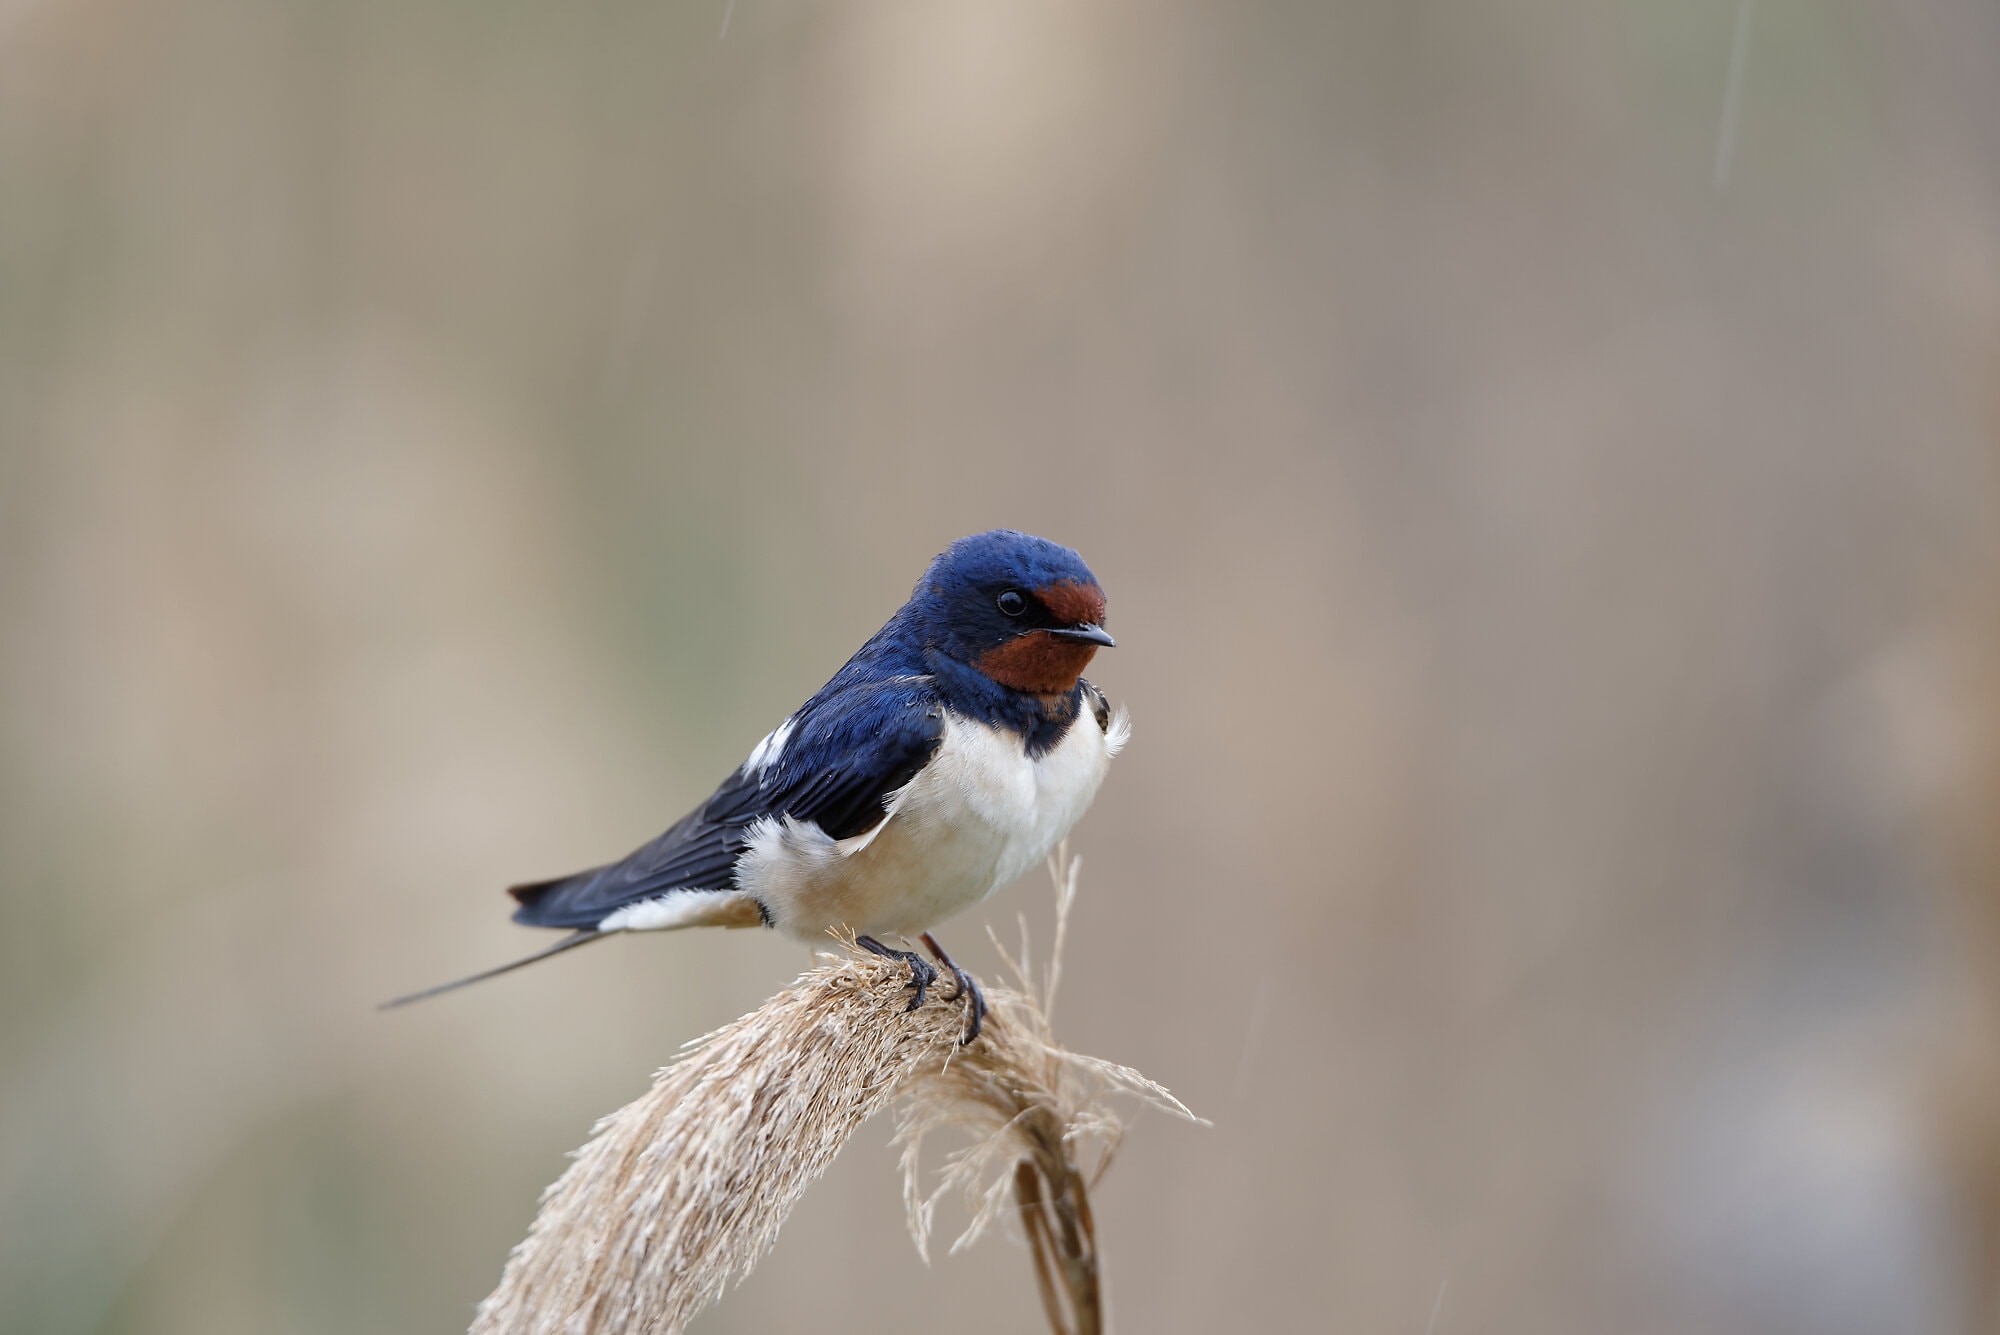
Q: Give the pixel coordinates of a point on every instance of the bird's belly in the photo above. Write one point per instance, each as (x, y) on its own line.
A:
(980, 814)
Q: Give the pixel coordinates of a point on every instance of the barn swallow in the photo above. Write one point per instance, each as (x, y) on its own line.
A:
(948, 756)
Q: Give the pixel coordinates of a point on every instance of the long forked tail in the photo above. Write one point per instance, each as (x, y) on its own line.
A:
(581, 936)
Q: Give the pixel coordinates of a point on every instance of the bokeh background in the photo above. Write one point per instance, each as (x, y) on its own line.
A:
(1542, 456)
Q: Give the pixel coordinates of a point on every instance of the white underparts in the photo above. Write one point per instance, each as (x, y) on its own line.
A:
(685, 908)
(977, 816)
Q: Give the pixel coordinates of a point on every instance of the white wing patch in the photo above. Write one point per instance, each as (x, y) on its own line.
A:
(765, 754)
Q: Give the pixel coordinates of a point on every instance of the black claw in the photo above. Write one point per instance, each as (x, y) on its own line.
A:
(922, 975)
(966, 988)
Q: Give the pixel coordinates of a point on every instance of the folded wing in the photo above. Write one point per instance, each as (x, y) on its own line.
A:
(837, 763)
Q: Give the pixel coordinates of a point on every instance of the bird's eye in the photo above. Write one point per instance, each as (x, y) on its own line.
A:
(1011, 603)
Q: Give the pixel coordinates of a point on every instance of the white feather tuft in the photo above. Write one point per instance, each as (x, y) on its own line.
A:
(1120, 731)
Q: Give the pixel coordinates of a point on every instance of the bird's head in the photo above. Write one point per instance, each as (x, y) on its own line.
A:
(1024, 611)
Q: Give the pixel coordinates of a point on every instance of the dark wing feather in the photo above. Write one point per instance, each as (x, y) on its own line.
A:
(1100, 706)
(849, 751)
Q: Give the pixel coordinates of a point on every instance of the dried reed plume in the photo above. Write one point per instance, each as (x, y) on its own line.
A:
(1043, 1125)
(685, 1188)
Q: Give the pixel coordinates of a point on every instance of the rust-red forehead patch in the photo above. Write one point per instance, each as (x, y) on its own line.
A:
(1072, 603)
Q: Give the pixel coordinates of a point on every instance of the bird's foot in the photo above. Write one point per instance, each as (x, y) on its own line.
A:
(922, 975)
(966, 988)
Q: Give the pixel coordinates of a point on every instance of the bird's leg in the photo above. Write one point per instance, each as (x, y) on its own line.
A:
(922, 975)
(966, 987)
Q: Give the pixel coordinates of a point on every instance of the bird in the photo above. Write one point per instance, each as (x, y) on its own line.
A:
(949, 755)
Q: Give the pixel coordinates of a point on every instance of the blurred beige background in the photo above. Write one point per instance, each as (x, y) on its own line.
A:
(1548, 504)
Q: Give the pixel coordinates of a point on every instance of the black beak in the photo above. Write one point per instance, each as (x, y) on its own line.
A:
(1087, 633)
